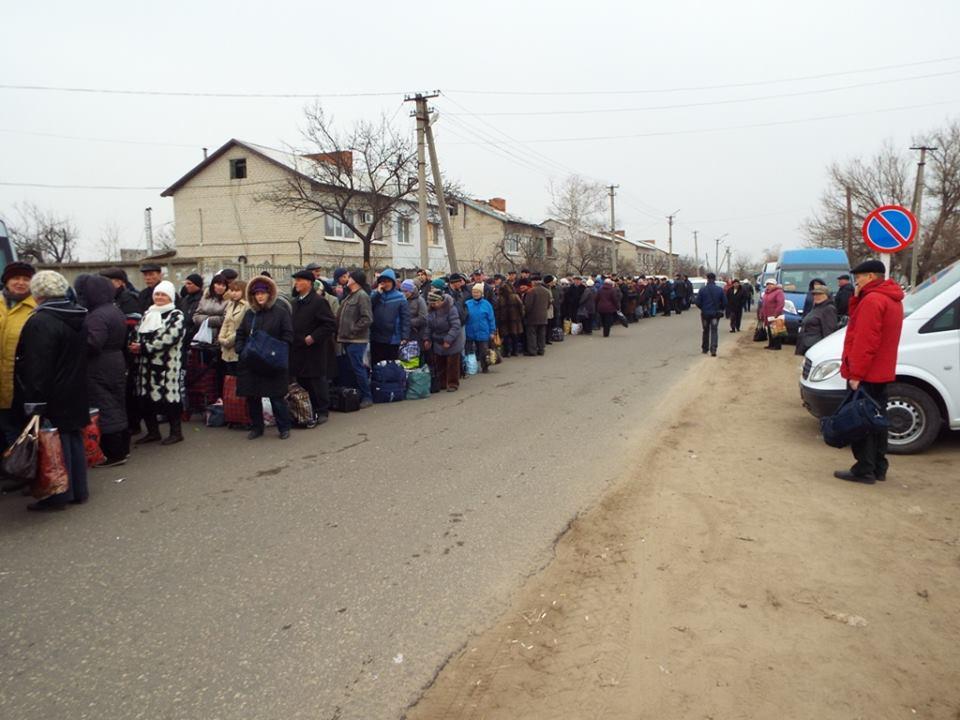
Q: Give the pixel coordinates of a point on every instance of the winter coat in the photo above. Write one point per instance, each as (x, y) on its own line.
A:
(607, 300)
(736, 299)
(873, 333)
(481, 323)
(273, 319)
(106, 331)
(536, 304)
(842, 298)
(460, 298)
(188, 305)
(227, 339)
(817, 324)
(556, 300)
(587, 306)
(444, 324)
(127, 300)
(354, 318)
(417, 307)
(772, 303)
(711, 301)
(12, 321)
(51, 365)
(571, 299)
(210, 308)
(160, 359)
(631, 297)
(391, 316)
(510, 311)
(312, 316)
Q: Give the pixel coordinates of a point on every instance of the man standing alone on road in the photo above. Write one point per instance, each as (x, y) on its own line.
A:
(712, 303)
(869, 359)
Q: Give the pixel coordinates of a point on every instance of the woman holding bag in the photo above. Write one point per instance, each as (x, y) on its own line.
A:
(255, 378)
(157, 346)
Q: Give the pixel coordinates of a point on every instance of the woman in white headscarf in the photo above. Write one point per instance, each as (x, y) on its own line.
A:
(158, 346)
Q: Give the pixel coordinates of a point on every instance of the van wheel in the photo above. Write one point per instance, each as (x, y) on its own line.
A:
(914, 419)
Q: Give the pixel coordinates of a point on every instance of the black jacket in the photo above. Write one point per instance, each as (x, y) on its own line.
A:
(842, 298)
(817, 324)
(312, 316)
(51, 364)
(273, 319)
(106, 331)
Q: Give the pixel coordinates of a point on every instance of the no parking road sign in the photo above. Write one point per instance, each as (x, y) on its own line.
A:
(889, 229)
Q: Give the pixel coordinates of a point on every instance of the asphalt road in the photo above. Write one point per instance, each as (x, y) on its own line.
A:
(328, 576)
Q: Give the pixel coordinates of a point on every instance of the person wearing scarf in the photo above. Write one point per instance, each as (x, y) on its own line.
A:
(157, 345)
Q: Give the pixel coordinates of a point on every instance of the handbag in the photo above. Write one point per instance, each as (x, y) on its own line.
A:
(858, 416)
(778, 327)
(91, 440)
(265, 353)
(204, 335)
(20, 459)
(760, 333)
(51, 476)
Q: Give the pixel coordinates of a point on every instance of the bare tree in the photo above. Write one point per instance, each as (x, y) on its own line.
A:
(165, 238)
(43, 236)
(577, 204)
(888, 178)
(770, 254)
(744, 265)
(108, 245)
(357, 177)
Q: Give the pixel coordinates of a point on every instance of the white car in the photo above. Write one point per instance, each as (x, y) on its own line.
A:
(925, 397)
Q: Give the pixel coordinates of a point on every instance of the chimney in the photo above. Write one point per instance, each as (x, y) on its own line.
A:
(342, 159)
(498, 204)
(205, 153)
(620, 233)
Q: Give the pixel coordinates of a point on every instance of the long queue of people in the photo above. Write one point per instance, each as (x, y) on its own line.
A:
(158, 355)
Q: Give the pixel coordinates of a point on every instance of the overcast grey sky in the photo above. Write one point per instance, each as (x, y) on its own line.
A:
(732, 159)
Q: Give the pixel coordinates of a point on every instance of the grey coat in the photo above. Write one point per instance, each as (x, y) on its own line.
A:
(536, 304)
(588, 303)
(418, 318)
(354, 318)
(445, 326)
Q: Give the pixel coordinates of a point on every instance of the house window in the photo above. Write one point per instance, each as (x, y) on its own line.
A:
(336, 229)
(403, 230)
(433, 233)
(512, 245)
(238, 169)
(550, 250)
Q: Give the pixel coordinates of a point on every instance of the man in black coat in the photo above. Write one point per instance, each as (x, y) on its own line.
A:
(131, 305)
(51, 368)
(312, 358)
(842, 299)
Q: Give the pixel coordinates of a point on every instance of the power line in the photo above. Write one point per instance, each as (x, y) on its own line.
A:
(775, 123)
(184, 93)
(97, 139)
(79, 187)
(709, 103)
(724, 86)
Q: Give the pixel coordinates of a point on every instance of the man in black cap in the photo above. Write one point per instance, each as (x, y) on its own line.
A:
(190, 296)
(869, 360)
(456, 290)
(312, 358)
(127, 300)
(152, 274)
(477, 277)
(512, 278)
(844, 293)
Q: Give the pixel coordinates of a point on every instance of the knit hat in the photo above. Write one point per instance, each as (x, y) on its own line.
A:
(196, 279)
(359, 277)
(48, 284)
(770, 281)
(439, 284)
(339, 273)
(477, 288)
(17, 269)
(434, 297)
(590, 283)
(165, 287)
(547, 279)
(408, 286)
(258, 285)
(820, 290)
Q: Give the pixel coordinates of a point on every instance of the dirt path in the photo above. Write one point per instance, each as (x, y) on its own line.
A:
(731, 576)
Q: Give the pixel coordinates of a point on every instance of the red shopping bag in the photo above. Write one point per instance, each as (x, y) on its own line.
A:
(91, 440)
(52, 467)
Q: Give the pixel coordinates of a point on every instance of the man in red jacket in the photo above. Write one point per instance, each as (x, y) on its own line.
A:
(870, 359)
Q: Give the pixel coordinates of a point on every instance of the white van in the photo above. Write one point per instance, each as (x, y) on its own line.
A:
(926, 395)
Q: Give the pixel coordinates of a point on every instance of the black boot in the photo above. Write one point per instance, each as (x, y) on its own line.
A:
(153, 428)
(176, 434)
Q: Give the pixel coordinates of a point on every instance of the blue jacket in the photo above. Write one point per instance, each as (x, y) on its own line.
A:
(391, 314)
(480, 320)
(711, 300)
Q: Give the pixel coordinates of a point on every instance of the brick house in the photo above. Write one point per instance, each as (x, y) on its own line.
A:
(487, 236)
(222, 218)
(593, 251)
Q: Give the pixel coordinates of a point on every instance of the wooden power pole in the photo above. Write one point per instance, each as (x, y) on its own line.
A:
(916, 210)
(613, 230)
(438, 191)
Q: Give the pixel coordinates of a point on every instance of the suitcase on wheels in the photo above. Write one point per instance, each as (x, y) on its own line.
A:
(235, 411)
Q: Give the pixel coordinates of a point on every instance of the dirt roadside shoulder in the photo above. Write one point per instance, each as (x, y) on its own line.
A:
(730, 575)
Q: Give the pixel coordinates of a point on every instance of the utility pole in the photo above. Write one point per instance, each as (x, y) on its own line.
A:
(420, 113)
(716, 252)
(148, 229)
(916, 209)
(849, 222)
(613, 229)
(670, 243)
(438, 191)
(696, 251)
